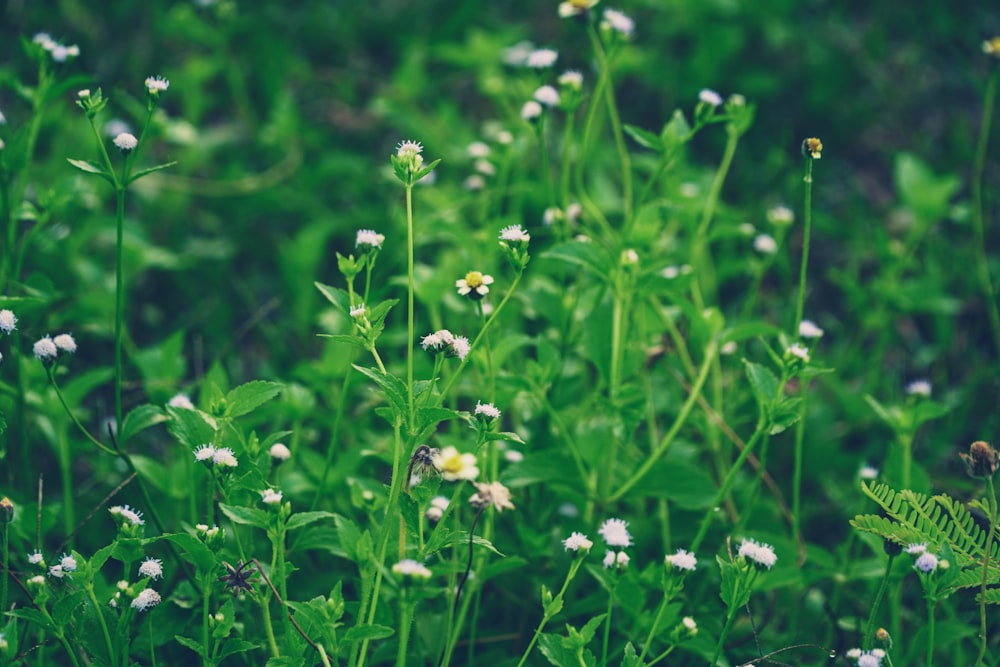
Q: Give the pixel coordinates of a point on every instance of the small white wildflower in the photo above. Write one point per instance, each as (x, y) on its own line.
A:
(761, 554)
(478, 149)
(513, 456)
(485, 167)
(487, 410)
(868, 472)
(224, 457)
(869, 659)
(411, 568)
(709, 96)
(619, 560)
(126, 142)
(56, 571)
(204, 453)
(152, 568)
(577, 542)
(514, 234)
(630, 257)
(181, 401)
(494, 493)
(573, 212)
(926, 562)
(408, 149)
(615, 533)
(619, 22)
(765, 244)
(454, 465)
(531, 110)
(547, 95)
(369, 237)
(279, 452)
(728, 348)
(920, 387)
(575, 7)
(517, 55)
(800, 351)
(916, 548)
(808, 329)
(68, 563)
(541, 58)
(65, 343)
(8, 321)
(853, 653)
(35, 558)
(780, 216)
(271, 497)
(156, 84)
(460, 347)
(682, 560)
(474, 285)
(878, 653)
(437, 508)
(129, 514)
(571, 79)
(747, 229)
(44, 349)
(437, 340)
(358, 310)
(37, 580)
(505, 137)
(689, 623)
(147, 599)
(474, 182)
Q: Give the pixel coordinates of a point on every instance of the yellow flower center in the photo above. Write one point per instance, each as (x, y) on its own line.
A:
(473, 279)
(453, 463)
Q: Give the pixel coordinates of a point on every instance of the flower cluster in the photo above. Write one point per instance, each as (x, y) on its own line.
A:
(219, 456)
(682, 560)
(761, 555)
(48, 348)
(60, 53)
(872, 658)
(444, 340)
(577, 542)
(493, 493)
(514, 242)
(410, 570)
(615, 534)
(408, 163)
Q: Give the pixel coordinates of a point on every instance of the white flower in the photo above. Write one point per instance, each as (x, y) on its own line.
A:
(682, 560)
(411, 568)
(35, 558)
(808, 329)
(575, 7)
(761, 554)
(926, 562)
(45, 348)
(577, 542)
(615, 533)
(8, 321)
(460, 347)
(358, 310)
(224, 457)
(571, 79)
(181, 401)
(369, 237)
(68, 563)
(437, 340)
(156, 84)
(547, 95)
(853, 653)
(408, 149)
(780, 216)
(618, 560)
(869, 659)
(152, 568)
(513, 456)
(689, 623)
(65, 343)
(271, 497)
(919, 388)
(916, 548)
(494, 493)
(56, 571)
(514, 234)
(147, 599)
(474, 182)
(478, 149)
(629, 257)
(619, 22)
(541, 58)
(474, 285)
(437, 508)
(531, 110)
(709, 96)
(454, 465)
(800, 351)
(204, 453)
(37, 580)
(505, 137)
(132, 516)
(279, 452)
(488, 410)
(126, 142)
(868, 472)
(764, 243)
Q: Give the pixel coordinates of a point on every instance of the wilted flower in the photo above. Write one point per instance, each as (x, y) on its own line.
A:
(494, 493)
(454, 465)
(982, 460)
(146, 599)
(761, 554)
(577, 542)
(813, 148)
(475, 285)
(615, 533)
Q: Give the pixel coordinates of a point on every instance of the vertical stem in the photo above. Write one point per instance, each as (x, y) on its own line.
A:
(722, 637)
(5, 561)
(991, 502)
(700, 257)
(405, 620)
(806, 234)
(870, 628)
(607, 619)
(410, 289)
(931, 603)
(206, 596)
(119, 302)
(112, 658)
(978, 214)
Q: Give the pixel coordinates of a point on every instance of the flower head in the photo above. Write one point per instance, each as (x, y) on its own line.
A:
(577, 542)
(437, 340)
(411, 569)
(126, 142)
(36, 558)
(494, 493)
(146, 599)
(916, 548)
(571, 79)
(474, 285)
(765, 244)
(57, 571)
(152, 568)
(618, 22)
(460, 347)
(926, 562)
(181, 401)
(547, 96)
(271, 496)
(798, 351)
(279, 452)
(8, 321)
(919, 388)
(45, 349)
(868, 472)
(991, 47)
(616, 559)
(780, 216)
(615, 533)
(65, 343)
(575, 7)
(812, 147)
(369, 238)
(454, 465)
(541, 58)
(682, 560)
(127, 515)
(358, 310)
(710, 97)
(437, 508)
(808, 329)
(531, 110)
(867, 659)
(982, 460)
(514, 234)
(205, 453)
(224, 457)
(487, 411)
(761, 554)
(156, 85)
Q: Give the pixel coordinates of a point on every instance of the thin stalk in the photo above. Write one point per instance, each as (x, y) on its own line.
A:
(410, 290)
(883, 587)
(800, 436)
(334, 437)
(652, 630)
(978, 214)
(119, 299)
(700, 257)
(5, 555)
(102, 621)
(722, 637)
(607, 620)
(206, 596)
(806, 236)
(991, 503)
(546, 617)
(405, 621)
(931, 603)
(604, 63)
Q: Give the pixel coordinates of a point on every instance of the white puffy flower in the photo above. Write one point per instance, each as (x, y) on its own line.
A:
(279, 452)
(152, 568)
(577, 542)
(65, 343)
(682, 560)
(615, 533)
(808, 329)
(45, 348)
(541, 58)
(709, 96)
(126, 142)
(761, 554)
(147, 599)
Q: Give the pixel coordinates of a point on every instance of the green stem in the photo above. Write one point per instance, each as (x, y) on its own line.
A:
(607, 619)
(334, 440)
(81, 427)
(800, 435)
(700, 257)
(119, 300)
(5, 555)
(410, 290)
(652, 630)
(883, 587)
(546, 616)
(991, 503)
(978, 214)
(405, 621)
(931, 603)
(99, 612)
(616, 125)
(206, 596)
(806, 235)
(722, 637)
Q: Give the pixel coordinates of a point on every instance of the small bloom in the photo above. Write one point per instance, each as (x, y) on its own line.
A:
(868, 472)
(358, 310)
(682, 560)
(541, 58)
(494, 493)
(619, 560)
(44, 349)
(487, 410)
(126, 142)
(454, 465)
(808, 329)
(35, 558)
(577, 542)
(531, 110)
(224, 457)
(764, 243)
(56, 571)
(408, 149)
(437, 508)
(147, 599)
(619, 22)
(460, 347)
(271, 497)
(615, 533)
(514, 234)
(437, 340)
(204, 453)
(181, 401)
(369, 237)
(475, 285)
(813, 148)
(279, 452)
(37, 581)
(127, 514)
(68, 563)
(916, 548)
(710, 97)
(629, 257)
(156, 84)
(547, 95)
(799, 351)
(869, 659)
(485, 167)
(919, 388)
(65, 343)
(474, 182)
(780, 216)
(571, 79)
(761, 554)
(926, 562)
(152, 568)
(689, 623)
(513, 456)
(83, 94)
(412, 569)
(575, 7)
(991, 47)
(478, 149)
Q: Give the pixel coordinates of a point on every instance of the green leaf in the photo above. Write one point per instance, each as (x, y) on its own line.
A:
(33, 616)
(128, 550)
(588, 255)
(644, 138)
(394, 388)
(338, 297)
(192, 428)
(195, 551)
(301, 519)
(247, 397)
(192, 644)
(362, 632)
(139, 419)
(248, 516)
(630, 659)
(145, 172)
(763, 381)
(428, 417)
(91, 167)
(345, 338)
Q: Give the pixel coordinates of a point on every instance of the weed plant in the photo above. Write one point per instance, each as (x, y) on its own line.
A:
(551, 384)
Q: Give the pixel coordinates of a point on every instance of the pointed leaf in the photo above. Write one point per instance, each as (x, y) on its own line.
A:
(247, 516)
(305, 518)
(247, 397)
(139, 419)
(145, 172)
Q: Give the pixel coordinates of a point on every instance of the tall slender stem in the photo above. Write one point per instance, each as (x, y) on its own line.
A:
(978, 214)
(991, 503)
(806, 234)
(410, 289)
(119, 301)
(705, 283)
